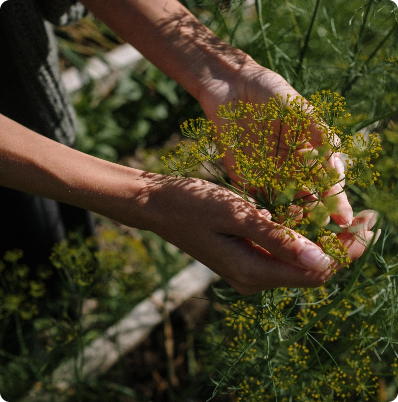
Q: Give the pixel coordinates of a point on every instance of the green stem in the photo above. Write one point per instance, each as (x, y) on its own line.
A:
(307, 40)
(279, 139)
(230, 369)
(355, 51)
(378, 279)
(21, 340)
(294, 21)
(261, 23)
(362, 29)
(79, 359)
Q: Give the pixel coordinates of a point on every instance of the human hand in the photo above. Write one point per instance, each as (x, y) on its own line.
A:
(255, 84)
(237, 241)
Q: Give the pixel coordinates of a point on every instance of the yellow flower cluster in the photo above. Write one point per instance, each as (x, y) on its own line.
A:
(275, 166)
(362, 152)
(308, 370)
(329, 106)
(333, 246)
(190, 155)
(109, 264)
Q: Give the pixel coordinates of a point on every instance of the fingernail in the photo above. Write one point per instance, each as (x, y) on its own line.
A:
(347, 225)
(366, 224)
(339, 166)
(332, 161)
(369, 236)
(312, 257)
(325, 222)
(373, 220)
(328, 274)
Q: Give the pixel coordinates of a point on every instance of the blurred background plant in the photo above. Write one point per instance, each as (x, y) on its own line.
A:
(99, 280)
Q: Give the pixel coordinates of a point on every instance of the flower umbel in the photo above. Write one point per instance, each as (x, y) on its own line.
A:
(275, 166)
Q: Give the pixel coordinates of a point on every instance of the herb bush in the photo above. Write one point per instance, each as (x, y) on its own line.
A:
(276, 171)
(337, 342)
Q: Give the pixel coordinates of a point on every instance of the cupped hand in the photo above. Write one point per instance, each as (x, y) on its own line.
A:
(256, 84)
(234, 239)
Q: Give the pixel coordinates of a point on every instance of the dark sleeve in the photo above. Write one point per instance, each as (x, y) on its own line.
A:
(31, 89)
(61, 12)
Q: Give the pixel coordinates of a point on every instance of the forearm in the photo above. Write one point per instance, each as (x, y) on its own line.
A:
(32, 163)
(168, 35)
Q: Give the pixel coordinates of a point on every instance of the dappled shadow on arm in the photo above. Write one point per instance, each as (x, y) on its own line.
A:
(225, 233)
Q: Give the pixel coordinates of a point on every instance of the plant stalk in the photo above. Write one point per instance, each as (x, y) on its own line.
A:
(306, 41)
(259, 9)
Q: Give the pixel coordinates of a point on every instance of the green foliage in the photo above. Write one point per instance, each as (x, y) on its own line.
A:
(143, 109)
(19, 293)
(302, 340)
(348, 47)
(338, 342)
(309, 344)
(384, 195)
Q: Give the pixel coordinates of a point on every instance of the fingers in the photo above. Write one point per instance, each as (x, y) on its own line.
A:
(358, 236)
(361, 226)
(319, 213)
(265, 213)
(334, 201)
(364, 221)
(282, 243)
(284, 261)
(241, 243)
(249, 268)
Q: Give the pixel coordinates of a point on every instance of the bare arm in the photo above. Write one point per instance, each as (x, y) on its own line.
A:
(32, 163)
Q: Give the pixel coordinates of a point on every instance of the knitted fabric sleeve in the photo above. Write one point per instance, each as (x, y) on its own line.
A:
(32, 89)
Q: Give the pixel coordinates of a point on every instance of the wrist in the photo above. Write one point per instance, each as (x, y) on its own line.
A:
(220, 77)
(118, 192)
